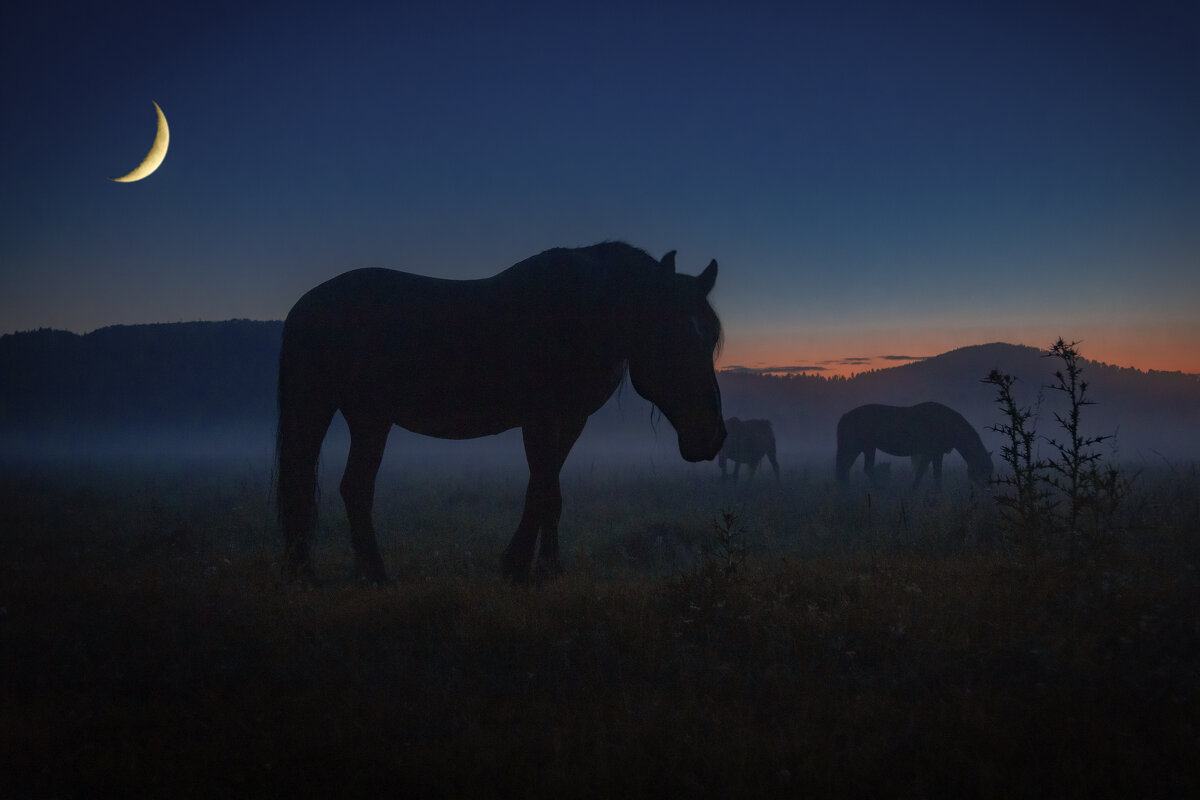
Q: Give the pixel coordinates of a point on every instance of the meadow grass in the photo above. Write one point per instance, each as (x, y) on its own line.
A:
(856, 643)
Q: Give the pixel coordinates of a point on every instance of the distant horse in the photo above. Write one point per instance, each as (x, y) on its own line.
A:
(540, 346)
(746, 443)
(926, 432)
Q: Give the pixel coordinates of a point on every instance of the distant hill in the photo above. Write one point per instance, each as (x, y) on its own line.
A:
(210, 387)
(1150, 412)
(138, 387)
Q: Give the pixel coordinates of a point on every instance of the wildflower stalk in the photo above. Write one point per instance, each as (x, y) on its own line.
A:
(1075, 469)
(1029, 505)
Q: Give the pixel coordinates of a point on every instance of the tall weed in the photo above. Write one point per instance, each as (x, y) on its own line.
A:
(1050, 499)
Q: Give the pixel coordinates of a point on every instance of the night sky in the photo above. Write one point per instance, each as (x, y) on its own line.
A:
(875, 179)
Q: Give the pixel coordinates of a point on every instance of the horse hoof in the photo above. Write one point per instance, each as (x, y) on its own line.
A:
(301, 574)
(518, 577)
(546, 571)
(370, 574)
(517, 574)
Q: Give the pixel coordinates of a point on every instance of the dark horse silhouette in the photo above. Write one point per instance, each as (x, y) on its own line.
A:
(539, 346)
(926, 432)
(746, 443)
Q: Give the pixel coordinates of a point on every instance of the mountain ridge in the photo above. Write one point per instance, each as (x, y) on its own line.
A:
(156, 385)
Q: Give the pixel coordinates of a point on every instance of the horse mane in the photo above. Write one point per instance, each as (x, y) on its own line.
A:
(614, 251)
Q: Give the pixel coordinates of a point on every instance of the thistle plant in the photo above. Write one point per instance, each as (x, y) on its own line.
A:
(707, 587)
(1029, 506)
(1075, 470)
(1052, 494)
(727, 550)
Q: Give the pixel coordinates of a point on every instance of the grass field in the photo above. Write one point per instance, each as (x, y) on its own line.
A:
(784, 640)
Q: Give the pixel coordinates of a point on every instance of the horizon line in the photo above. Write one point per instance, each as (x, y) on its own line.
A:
(825, 368)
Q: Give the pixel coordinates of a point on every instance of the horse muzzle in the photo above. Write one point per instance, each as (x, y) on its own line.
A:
(703, 448)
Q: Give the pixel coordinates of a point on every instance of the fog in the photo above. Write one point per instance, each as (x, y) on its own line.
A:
(650, 445)
(206, 391)
(639, 443)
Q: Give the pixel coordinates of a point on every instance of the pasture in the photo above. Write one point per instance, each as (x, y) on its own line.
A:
(708, 641)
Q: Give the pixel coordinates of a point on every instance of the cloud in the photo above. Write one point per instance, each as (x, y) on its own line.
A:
(834, 365)
(794, 369)
(903, 358)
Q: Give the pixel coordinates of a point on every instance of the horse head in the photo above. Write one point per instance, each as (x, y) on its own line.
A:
(671, 358)
(979, 468)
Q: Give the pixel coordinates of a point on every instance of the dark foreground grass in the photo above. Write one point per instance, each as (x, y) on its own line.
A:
(147, 646)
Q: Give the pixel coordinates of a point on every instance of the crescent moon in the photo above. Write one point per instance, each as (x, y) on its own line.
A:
(158, 151)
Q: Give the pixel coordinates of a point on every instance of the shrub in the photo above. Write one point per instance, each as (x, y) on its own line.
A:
(1056, 494)
(1030, 506)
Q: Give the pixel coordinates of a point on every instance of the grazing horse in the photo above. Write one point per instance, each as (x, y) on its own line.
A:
(926, 432)
(540, 346)
(746, 443)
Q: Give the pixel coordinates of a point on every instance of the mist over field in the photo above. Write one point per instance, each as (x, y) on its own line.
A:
(207, 390)
(765, 639)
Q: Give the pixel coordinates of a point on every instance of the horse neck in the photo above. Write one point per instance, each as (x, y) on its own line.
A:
(609, 281)
(970, 445)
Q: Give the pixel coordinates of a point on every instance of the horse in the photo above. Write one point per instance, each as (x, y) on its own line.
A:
(746, 443)
(926, 432)
(540, 346)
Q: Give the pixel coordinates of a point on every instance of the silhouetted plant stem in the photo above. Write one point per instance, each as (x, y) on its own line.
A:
(1030, 506)
(1074, 471)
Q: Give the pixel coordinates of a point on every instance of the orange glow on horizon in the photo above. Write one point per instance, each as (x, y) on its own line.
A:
(1165, 350)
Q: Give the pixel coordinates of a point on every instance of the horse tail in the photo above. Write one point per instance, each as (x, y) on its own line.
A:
(304, 416)
(769, 445)
(845, 452)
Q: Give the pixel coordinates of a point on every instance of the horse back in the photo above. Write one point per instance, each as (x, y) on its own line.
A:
(926, 428)
(428, 350)
(749, 440)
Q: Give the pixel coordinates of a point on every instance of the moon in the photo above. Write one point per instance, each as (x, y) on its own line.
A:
(158, 151)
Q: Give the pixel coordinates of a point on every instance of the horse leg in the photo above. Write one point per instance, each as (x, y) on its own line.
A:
(752, 469)
(869, 463)
(546, 447)
(774, 463)
(301, 432)
(937, 470)
(548, 565)
(367, 441)
(920, 463)
(845, 460)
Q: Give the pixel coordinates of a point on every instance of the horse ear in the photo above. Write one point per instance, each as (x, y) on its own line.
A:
(708, 277)
(668, 263)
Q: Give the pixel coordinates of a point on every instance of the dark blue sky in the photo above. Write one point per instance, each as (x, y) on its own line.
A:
(874, 178)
